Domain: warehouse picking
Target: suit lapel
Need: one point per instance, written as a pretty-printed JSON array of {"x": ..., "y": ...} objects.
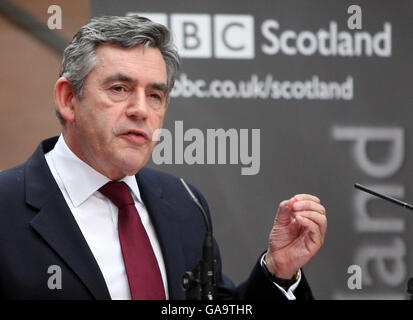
[
  {"x": 168, "y": 232},
  {"x": 56, "y": 225}
]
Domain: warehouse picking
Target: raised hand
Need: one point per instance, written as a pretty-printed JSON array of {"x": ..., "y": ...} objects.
[{"x": 297, "y": 234}]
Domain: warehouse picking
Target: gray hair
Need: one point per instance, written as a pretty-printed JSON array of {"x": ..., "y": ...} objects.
[{"x": 79, "y": 57}]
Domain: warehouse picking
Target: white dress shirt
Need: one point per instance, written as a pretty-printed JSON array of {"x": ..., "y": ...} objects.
[
  {"x": 97, "y": 216},
  {"x": 289, "y": 294}
]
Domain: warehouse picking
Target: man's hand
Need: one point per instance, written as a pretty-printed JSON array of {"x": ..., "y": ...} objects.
[{"x": 297, "y": 234}]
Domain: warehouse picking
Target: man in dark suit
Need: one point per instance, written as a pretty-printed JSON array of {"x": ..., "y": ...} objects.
[{"x": 83, "y": 218}]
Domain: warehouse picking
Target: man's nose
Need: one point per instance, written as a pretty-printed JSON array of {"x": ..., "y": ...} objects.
[{"x": 138, "y": 106}]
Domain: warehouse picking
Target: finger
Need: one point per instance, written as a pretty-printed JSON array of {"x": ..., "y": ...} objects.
[
  {"x": 316, "y": 234},
  {"x": 284, "y": 211},
  {"x": 309, "y": 205},
  {"x": 318, "y": 219},
  {"x": 304, "y": 196}
]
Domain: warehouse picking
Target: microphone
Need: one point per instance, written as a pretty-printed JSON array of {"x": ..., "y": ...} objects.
[
  {"x": 380, "y": 195},
  {"x": 199, "y": 284},
  {"x": 194, "y": 199}
]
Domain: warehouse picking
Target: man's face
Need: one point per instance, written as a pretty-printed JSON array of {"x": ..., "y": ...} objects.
[{"x": 124, "y": 101}]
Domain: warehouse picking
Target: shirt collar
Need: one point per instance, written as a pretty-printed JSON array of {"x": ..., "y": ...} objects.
[{"x": 80, "y": 179}]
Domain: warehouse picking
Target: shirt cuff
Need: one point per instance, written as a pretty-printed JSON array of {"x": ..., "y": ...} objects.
[{"x": 289, "y": 293}]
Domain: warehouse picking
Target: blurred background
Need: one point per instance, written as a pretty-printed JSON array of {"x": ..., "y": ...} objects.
[{"x": 327, "y": 86}]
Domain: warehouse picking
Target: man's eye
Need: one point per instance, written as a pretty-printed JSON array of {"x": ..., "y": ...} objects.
[
  {"x": 118, "y": 89},
  {"x": 157, "y": 96}
]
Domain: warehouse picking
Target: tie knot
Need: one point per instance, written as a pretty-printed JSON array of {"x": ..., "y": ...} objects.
[{"x": 118, "y": 193}]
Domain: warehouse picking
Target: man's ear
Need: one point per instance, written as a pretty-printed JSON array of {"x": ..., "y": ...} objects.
[{"x": 64, "y": 97}]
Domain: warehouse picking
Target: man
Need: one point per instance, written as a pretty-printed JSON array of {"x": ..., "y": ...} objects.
[{"x": 83, "y": 218}]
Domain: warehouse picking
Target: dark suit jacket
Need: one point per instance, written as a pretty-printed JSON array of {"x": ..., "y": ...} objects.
[{"x": 37, "y": 230}]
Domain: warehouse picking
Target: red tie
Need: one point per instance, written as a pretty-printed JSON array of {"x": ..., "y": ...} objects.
[{"x": 145, "y": 281}]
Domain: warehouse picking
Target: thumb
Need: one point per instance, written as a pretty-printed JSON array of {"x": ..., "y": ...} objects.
[{"x": 284, "y": 212}]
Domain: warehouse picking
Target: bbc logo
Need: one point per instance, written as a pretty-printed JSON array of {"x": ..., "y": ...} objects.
[{"x": 223, "y": 36}]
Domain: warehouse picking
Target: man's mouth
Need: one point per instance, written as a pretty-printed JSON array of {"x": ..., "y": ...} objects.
[{"x": 136, "y": 136}]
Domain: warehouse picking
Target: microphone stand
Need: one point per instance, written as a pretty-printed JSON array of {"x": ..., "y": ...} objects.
[
  {"x": 398, "y": 202},
  {"x": 410, "y": 288},
  {"x": 200, "y": 282}
]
